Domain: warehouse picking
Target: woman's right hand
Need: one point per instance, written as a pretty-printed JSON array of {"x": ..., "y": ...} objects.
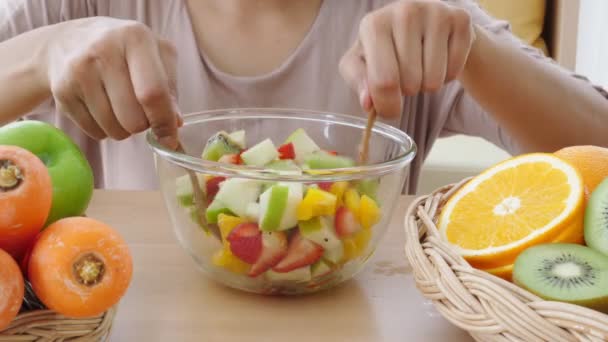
[{"x": 114, "y": 78}]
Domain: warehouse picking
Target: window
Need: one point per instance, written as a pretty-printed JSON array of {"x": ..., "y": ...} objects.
[{"x": 592, "y": 51}]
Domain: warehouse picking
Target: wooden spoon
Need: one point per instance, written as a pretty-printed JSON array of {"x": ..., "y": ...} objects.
[
  {"x": 200, "y": 199},
  {"x": 364, "y": 147}
]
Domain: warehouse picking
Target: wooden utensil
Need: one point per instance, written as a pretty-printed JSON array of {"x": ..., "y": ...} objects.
[
  {"x": 200, "y": 199},
  {"x": 364, "y": 147}
]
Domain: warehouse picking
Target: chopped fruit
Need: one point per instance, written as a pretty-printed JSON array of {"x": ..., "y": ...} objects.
[
  {"x": 226, "y": 223},
  {"x": 283, "y": 165},
  {"x": 356, "y": 245},
  {"x": 287, "y": 151},
  {"x": 224, "y": 258},
  {"x": 350, "y": 250},
  {"x": 323, "y": 160},
  {"x": 253, "y": 212},
  {"x": 301, "y": 274},
  {"x": 283, "y": 229},
  {"x": 272, "y": 206},
  {"x": 369, "y": 213},
  {"x": 302, "y": 144},
  {"x": 214, "y": 210},
  {"x": 320, "y": 269},
  {"x": 325, "y": 186},
  {"x": 316, "y": 203},
  {"x": 301, "y": 252},
  {"x": 346, "y": 223},
  {"x": 230, "y": 159},
  {"x": 219, "y": 145},
  {"x": 213, "y": 186},
  {"x": 246, "y": 242},
  {"x": 368, "y": 187},
  {"x": 278, "y": 206},
  {"x": 237, "y": 193},
  {"x": 260, "y": 154},
  {"x": 320, "y": 230},
  {"x": 274, "y": 249},
  {"x": 183, "y": 191},
  {"x": 238, "y": 138},
  {"x": 352, "y": 201},
  {"x": 338, "y": 189},
  {"x": 518, "y": 203}
]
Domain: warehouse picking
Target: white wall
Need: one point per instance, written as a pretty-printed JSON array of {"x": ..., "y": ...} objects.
[{"x": 592, "y": 54}]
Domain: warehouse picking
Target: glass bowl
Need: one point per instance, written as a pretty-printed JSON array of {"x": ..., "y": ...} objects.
[{"x": 282, "y": 230}]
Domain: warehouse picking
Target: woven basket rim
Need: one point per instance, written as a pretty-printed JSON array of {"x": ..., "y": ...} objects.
[
  {"x": 47, "y": 325},
  {"x": 489, "y": 308}
]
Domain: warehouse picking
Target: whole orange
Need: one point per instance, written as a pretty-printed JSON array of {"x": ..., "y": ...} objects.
[{"x": 591, "y": 161}]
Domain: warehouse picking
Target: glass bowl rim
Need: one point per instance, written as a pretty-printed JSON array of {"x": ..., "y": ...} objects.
[{"x": 259, "y": 173}]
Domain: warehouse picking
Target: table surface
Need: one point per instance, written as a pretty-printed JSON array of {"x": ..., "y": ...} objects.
[{"x": 169, "y": 300}]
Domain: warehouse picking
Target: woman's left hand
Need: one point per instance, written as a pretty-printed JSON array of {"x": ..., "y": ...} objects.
[{"x": 407, "y": 47}]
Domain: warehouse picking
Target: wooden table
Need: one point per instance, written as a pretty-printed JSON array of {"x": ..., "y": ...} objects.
[{"x": 169, "y": 300}]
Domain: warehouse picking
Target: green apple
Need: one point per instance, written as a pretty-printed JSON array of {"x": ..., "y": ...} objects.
[
  {"x": 278, "y": 206},
  {"x": 320, "y": 230},
  {"x": 70, "y": 171}
]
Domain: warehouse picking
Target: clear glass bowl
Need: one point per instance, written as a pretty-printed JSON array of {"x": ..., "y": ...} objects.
[{"x": 370, "y": 192}]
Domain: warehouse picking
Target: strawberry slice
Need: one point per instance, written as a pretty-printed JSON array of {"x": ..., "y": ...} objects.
[
  {"x": 230, "y": 159},
  {"x": 213, "y": 186},
  {"x": 302, "y": 252},
  {"x": 346, "y": 223},
  {"x": 326, "y": 186},
  {"x": 287, "y": 151},
  {"x": 246, "y": 242},
  {"x": 274, "y": 249}
]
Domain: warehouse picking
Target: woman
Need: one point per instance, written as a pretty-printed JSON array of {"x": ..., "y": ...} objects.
[{"x": 112, "y": 68}]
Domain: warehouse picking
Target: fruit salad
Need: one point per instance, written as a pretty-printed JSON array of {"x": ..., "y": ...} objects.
[{"x": 283, "y": 231}]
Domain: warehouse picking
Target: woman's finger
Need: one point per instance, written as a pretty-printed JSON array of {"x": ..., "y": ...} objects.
[{"x": 381, "y": 62}]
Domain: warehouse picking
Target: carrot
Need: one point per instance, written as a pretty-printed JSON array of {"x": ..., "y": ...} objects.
[
  {"x": 11, "y": 289},
  {"x": 80, "y": 267},
  {"x": 26, "y": 194}
]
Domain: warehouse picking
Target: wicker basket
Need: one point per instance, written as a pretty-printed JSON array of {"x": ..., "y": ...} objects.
[
  {"x": 487, "y": 307},
  {"x": 35, "y": 323}
]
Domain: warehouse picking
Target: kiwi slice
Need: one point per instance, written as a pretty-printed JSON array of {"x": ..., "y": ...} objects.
[
  {"x": 218, "y": 145},
  {"x": 596, "y": 219},
  {"x": 564, "y": 272}
]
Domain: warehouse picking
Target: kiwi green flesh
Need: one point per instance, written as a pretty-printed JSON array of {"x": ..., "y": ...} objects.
[
  {"x": 564, "y": 272},
  {"x": 219, "y": 145},
  {"x": 596, "y": 219}
]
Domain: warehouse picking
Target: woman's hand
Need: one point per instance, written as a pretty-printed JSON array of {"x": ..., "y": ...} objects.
[
  {"x": 114, "y": 78},
  {"x": 407, "y": 47}
]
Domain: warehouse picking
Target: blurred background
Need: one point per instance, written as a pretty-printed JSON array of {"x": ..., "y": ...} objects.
[{"x": 573, "y": 32}]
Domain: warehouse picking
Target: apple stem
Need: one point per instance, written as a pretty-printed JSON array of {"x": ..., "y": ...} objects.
[
  {"x": 89, "y": 269},
  {"x": 10, "y": 175}
]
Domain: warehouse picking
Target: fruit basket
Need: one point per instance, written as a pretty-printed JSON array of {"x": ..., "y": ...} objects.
[
  {"x": 37, "y": 323},
  {"x": 489, "y": 308}
]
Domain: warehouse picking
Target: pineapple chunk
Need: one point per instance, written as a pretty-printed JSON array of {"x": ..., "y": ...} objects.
[
  {"x": 316, "y": 203},
  {"x": 224, "y": 258},
  {"x": 338, "y": 189},
  {"x": 369, "y": 213},
  {"x": 227, "y": 223}
]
